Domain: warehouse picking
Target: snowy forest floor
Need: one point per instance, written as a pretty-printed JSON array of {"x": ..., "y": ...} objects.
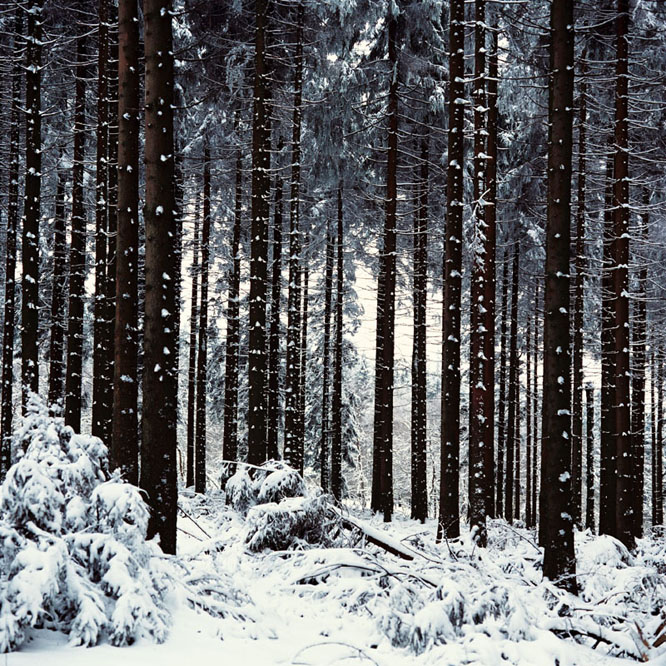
[{"x": 356, "y": 603}]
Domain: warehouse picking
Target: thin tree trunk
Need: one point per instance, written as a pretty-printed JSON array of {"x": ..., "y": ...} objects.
[
  {"x": 502, "y": 430},
  {"x": 202, "y": 347},
  {"x": 32, "y": 203},
  {"x": 384, "y": 358},
  {"x": 324, "y": 453},
  {"x": 620, "y": 252},
  {"x": 160, "y": 383},
  {"x": 58, "y": 297},
  {"x": 449, "y": 512},
  {"x": 125, "y": 446},
  {"x": 230, "y": 439},
  {"x": 589, "y": 506},
  {"x": 511, "y": 498},
  {"x": 303, "y": 360},
  {"x": 274, "y": 336},
  {"x": 659, "y": 448},
  {"x": 192, "y": 360},
  {"x": 77, "y": 253},
  {"x": 261, "y": 187},
  {"x": 559, "y": 560},
  {"x": 419, "y": 428},
  {"x": 478, "y": 390},
  {"x": 536, "y": 463},
  {"x": 336, "y": 406},
  {"x": 529, "y": 518},
  {"x": 653, "y": 423},
  {"x": 8, "y": 331}
]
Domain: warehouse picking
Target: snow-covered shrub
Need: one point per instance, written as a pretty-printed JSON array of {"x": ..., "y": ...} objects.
[
  {"x": 240, "y": 491},
  {"x": 281, "y": 484},
  {"x": 290, "y": 523},
  {"x": 73, "y": 554}
]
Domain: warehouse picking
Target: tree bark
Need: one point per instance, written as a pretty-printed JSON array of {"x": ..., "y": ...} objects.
[
  {"x": 589, "y": 505},
  {"x": 160, "y": 383},
  {"x": 449, "y": 513},
  {"x": 303, "y": 361},
  {"x": 502, "y": 430},
  {"x": 125, "y": 446},
  {"x": 324, "y": 452},
  {"x": 559, "y": 560},
  {"x": 192, "y": 359}
]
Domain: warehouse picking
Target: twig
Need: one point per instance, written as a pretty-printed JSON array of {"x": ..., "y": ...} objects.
[
  {"x": 187, "y": 515},
  {"x": 361, "y": 653}
]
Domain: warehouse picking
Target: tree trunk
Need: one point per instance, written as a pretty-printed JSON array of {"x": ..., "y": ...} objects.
[
  {"x": 449, "y": 511},
  {"x": 77, "y": 253},
  {"x": 559, "y": 560},
  {"x": 336, "y": 407},
  {"x": 419, "y": 430},
  {"x": 230, "y": 439},
  {"x": 620, "y": 252},
  {"x": 303, "y": 361},
  {"x": 384, "y": 359},
  {"x": 7, "y": 407},
  {"x": 202, "y": 346},
  {"x": 261, "y": 187},
  {"x": 58, "y": 297},
  {"x": 536, "y": 463},
  {"x": 192, "y": 359},
  {"x": 589, "y": 506},
  {"x": 324, "y": 453},
  {"x": 478, "y": 390},
  {"x": 659, "y": 448},
  {"x": 32, "y": 203},
  {"x": 160, "y": 383},
  {"x": 529, "y": 517},
  {"x": 502, "y": 430},
  {"x": 125, "y": 447}
]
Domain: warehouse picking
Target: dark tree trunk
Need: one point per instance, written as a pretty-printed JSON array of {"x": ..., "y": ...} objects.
[
  {"x": 230, "y": 439},
  {"x": 653, "y": 430},
  {"x": 202, "y": 346},
  {"x": 274, "y": 336},
  {"x": 160, "y": 383},
  {"x": 419, "y": 430},
  {"x": 77, "y": 253},
  {"x": 659, "y": 445},
  {"x": 589, "y": 505},
  {"x": 502, "y": 430},
  {"x": 261, "y": 187},
  {"x": 102, "y": 390},
  {"x": 578, "y": 311},
  {"x": 303, "y": 361},
  {"x": 324, "y": 453},
  {"x": 125, "y": 447},
  {"x": 511, "y": 495},
  {"x": 449, "y": 511},
  {"x": 58, "y": 297},
  {"x": 294, "y": 330},
  {"x": 384, "y": 358},
  {"x": 192, "y": 359},
  {"x": 8, "y": 331},
  {"x": 32, "y": 203},
  {"x": 336, "y": 407},
  {"x": 478, "y": 390},
  {"x": 529, "y": 446},
  {"x": 559, "y": 560},
  {"x": 620, "y": 253},
  {"x": 536, "y": 463}
]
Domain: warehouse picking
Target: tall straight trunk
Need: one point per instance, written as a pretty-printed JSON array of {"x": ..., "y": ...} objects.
[
  {"x": 303, "y": 361},
  {"x": 77, "y": 253},
  {"x": 324, "y": 452},
  {"x": 261, "y": 187},
  {"x": 125, "y": 446},
  {"x": 653, "y": 432},
  {"x": 502, "y": 430},
  {"x": 192, "y": 350},
  {"x": 449, "y": 512},
  {"x": 536, "y": 463},
  {"x": 625, "y": 517},
  {"x": 58, "y": 296},
  {"x": 559, "y": 563},
  {"x": 336, "y": 403},
  {"x": 511, "y": 499},
  {"x": 7, "y": 406},
  {"x": 102, "y": 389},
  {"x": 490, "y": 254},
  {"x": 230, "y": 437},
  {"x": 384, "y": 358},
  {"x": 32, "y": 202},
  {"x": 529, "y": 518},
  {"x": 202, "y": 345},
  {"x": 294, "y": 326},
  {"x": 160, "y": 342},
  {"x": 607, "y": 472},
  {"x": 589, "y": 504},
  {"x": 419, "y": 430},
  {"x": 659, "y": 446},
  {"x": 274, "y": 335},
  {"x": 638, "y": 386},
  {"x": 578, "y": 310},
  {"x": 478, "y": 390}
]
